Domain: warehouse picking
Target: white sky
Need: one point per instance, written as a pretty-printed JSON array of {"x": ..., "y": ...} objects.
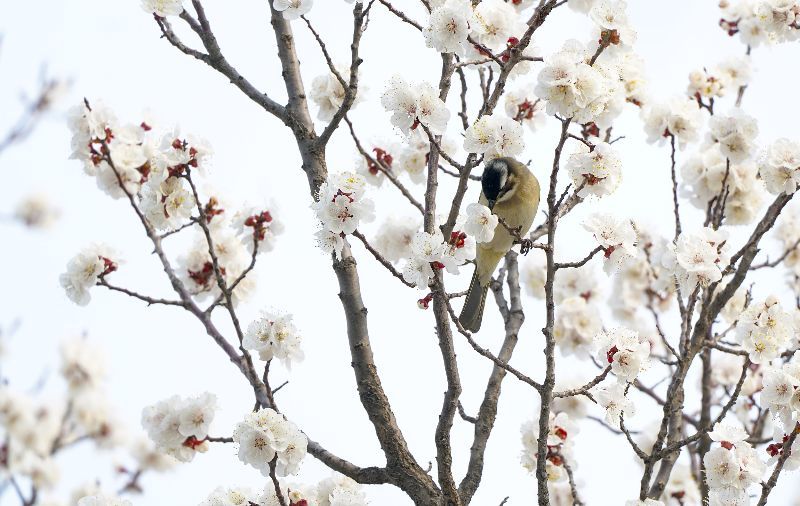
[{"x": 112, "y": 51}]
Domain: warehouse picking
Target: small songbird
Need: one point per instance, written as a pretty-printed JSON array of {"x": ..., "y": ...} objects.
[{"x": 511, "y": 191}]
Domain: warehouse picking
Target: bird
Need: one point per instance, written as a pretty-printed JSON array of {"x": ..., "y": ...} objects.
[{"x": 511, "y": 192}]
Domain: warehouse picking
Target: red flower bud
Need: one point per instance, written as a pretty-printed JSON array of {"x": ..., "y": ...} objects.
[{"x": 610, "y": 354}]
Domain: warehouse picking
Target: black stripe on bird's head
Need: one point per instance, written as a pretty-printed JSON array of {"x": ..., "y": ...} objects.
[{"x": 494, "y": 179}]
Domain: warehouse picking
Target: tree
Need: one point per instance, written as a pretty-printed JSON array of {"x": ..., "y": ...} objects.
[{"x": 684, "y": 307}]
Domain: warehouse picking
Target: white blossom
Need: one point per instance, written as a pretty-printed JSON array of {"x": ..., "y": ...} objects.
[
  {"x": 720, "y": 80},
  {"x": 533, "y": 274},
  {"x": 258, "y": 224},
  {"x": 679, "y": 117},
  {"x": 616, "y": 236},
  {"x": 274, "y": 335},
  {"x": 703, "y": 176},
  {"x": 341, "y": 207},
  {"x": 480, "y": 223},
  {"x": 411, "y": 107},
  {"x": 728, "y": 496},
  {"x": 293, "y": 9},
  {"x": 179, "y": 426},
  {"x": 167, "y": 204},
  {"x": 721, "y": 467},
  {"x": 681, "y": 487},
  {"x": 624, "y": 351},
  {"x": 733, "y": 434},
  {"x": 103, "y": 500},
  {"x": 576, "y": 324},
  {"x": 82, "y": 364},
  {"x": 612, "y": 399},
  {"x": 339, "y": 490},
  {"x": 779, "y": 166},
  {"x": 761, "y": 22},
  {"x": 610, "y": 15},
  {"x": 329, "y": 242},
  {"x": 84, "y": 270},
  {"x": 163, "y": 8},
  {"x": 495, "y": 136},
  {"x": 36, "y": 211},
  {"x": 264, "y": 434},
  {"x": 598, "y": 172},
  {"x": 765, "y": 330},
  {"x": 196, "y": 267},
  {"x": 328, "y": 94},
  {"x": 394, "y": 237},
  {"x": 449, "y": 26},
  {"x": 523, "y": 106},
  {"x": 418, "y": 272},
  {"x": 222, "y": 496},
  {"x": 571, "y": 87},
  {"x": 735, "y": 133},
  {"x": 495, "y": 22},
  {"x": 560, "y": 438},
  {"x": 699, "y": 257}
]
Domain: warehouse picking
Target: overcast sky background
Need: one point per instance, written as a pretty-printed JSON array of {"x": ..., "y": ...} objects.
[{"x": 112, "y": 51}]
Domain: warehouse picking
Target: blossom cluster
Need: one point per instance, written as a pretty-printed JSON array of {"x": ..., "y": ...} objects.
[
  {"x": 37, "y": 431},
  {"x": 732, "y": 467},
  {"x": 103, "y": 500},
  {"x": 627, "y": 355},
  {"x": 154, "y": 172},
  {"x": 720, "y": 80},
  {"x": 236, "y": 238},
  {"x": 36, "y": 211},
  {"x": 788, "y": 234},
  {"x": 779, "y": 167},
  {"x": 734, "y": 133},
  {"x": 615, "y": 235},
  {"x": 328, "y": 93},
  {"x": 85, "y": 269},
  {"x": 341, "y": 206},
  {"x": 624, "y": 351},
  {"x": 179, "y": 426},
  {"x": 495, "y": 136},
  {"x": 780, "y": 392},
  {"x": 387, "y": 158},
  {"x": 415, "y": 106},
  {"x": 760, "y": 22},
  {"x": 765, "y": 330},
  {"x": 679, "y": 118},
  {"x": 596, "y": 171},
  {"x": 560, "y": 442},
  {"x": 575, "y": 88},
  {"x": 705, "y": 172},
  {"x": 274, "y": 335},
  {"x": 578, "y": 296},
  {"x": 642, "y": 281},
  {"x": 698, "y": 258},
  {"x": 490, "y": 25},
  {"x": 429, "y": 252},
  {"x": 523, "y": 106},
  {"x": 337, "y": 490},
  {"x": 265, "y": 435},
  {"x": 394, "y": 237},
  {"x": 163, "y": 8},
  {"x": 124, "y": 157}
]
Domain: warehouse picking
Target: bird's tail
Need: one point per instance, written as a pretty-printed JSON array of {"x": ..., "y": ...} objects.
[{"x": 472, "y": 312}]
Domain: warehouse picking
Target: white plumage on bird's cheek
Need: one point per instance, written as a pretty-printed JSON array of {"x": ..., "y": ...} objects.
[{"x": 511, "y": 184}]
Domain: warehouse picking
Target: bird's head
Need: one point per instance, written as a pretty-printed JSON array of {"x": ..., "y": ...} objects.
[{"x": 499, "y": 179}]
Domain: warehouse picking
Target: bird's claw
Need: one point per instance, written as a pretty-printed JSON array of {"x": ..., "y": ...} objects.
[{"x": 526, "y": 245}]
